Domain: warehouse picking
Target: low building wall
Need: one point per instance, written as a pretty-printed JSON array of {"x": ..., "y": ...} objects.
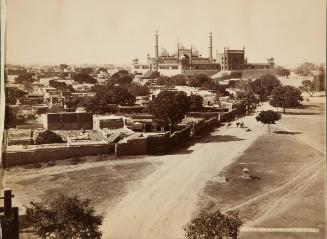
[
  {"x": 134, "y": 146},
  {"x": 39, "y": 155},
  {"x": 158, "y": 144},
  {"x": 206, "y": 115},
  {"x": 180, "y": 136}
]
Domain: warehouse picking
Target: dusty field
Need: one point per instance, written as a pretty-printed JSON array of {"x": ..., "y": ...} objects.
[
  {"x": 104, "y": 182},
  {"x": 290, "y": 165}
]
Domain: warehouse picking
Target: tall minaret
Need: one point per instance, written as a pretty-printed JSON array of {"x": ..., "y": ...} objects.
[
  {"x": 210, "y": 47},
  {"x": 156, "y": 45}
]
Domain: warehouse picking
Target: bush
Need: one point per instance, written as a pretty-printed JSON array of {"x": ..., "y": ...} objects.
[
  {"x": 213, "y": 225},
  {"x": 48, "y": 137},
  {"x": 64, "y": 217}
]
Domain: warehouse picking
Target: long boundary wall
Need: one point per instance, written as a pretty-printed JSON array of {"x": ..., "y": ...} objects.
[{"x": 15, "y": 158}]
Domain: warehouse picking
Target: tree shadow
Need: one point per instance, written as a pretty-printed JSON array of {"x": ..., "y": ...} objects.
[
  {"x": 305, "y": 106},
  {"x": 286, "y": 132},
  {"x": 302, "y": 113},
  {"x": 183, "y": 148}
]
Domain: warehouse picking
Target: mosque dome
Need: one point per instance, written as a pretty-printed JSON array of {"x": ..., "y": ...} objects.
[
  {"x": 195, "y": 52},
  {"x": 164, "y": 52}
]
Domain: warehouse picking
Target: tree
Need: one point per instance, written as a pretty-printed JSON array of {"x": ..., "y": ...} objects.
[
  {"x": 264, "y": 85},
  {"x": 84, "y": 78},
  {"x": 165, "y": 80},
  {"x": 214, "y": 225},
  {"x": 198, "y": 80},
  {"x": 48, "y": 137},
  {"x": 169, "y": 107},
  {"x": 196, "y": 102},
  {"x": 268, "y": 117},
  {"x": 64, "y": 217},
  {"x": 14, "y": 118},
  {"x": 106, "y": 95},
  {"x": 248, "y": 97},
  {"x": 285, "y": 97},
  {"x": 319, "y": 81},
  {"x": 121, "y": 77},
  {"x": 25, "y": 79},
  {"x": 13, "y": 94},
  {"x": 63, "y": 66},
  {"x": 308, "y": 86},
  {"x": 280, "y": 71},
  {"x": 136, "y": 89},
  {"x": 179, "y": 79},
  {"x": 305, "y": 69}
]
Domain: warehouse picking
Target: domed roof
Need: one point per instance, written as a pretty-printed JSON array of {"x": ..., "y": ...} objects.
[
  {"x": 195, "y": 52},
  {"x": 164, "y": 52}
]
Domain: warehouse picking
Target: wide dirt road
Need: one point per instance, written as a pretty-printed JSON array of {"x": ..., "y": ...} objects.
[{"x": 163, "y": 201}]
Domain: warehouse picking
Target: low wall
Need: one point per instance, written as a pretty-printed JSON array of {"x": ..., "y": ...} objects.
[
  {"x": 52, "y": 154},
  {"x": 180, "y": 136},
  {"x": 158, "y": 144},
  {"x": 198, "y": 72},
  {"x": 132, "y": 147},
  {"x": 206, "y": 115}
]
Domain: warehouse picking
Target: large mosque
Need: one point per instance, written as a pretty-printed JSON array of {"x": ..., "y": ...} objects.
[{"x": 189, "y": 61}]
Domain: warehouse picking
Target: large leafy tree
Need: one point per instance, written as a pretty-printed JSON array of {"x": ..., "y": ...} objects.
[
  {"x": 13, "y": 94},
  {"x": 285, "y": 97},
  {"x": 264, "y": 85},
  {"x": 196, "y": 102},
  {"x": 14, "y": 118},
  {"x": 121, "y": 77},
  {"x": 280, "y": 71},
  {"x": 48, "y": 137},
  {"x": 64, "y": 217},
  {"x": 25, "y": 79},
  {"x": 197, "y": 80},
  {"x": 84, "y": 78},
  {"x": 166, "y": 80},
  {"x": 308, "y": 86},
  {"x": 217, "y": 225},
  {"x": 268, "y": 117},
  {"x": 179, "y": 79},
  {"x": 136, "y": 89},
  {"x": 170, "y": 107},
  {"x": 105, "y": 96},
  {"x": 305, "y": 69}
]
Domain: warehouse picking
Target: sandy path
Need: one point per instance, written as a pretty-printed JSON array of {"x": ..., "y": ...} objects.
[{"x": 163, "y": 202}]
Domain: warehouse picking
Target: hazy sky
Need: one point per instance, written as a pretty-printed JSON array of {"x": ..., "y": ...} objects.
[{"x": 107, "y": 31}]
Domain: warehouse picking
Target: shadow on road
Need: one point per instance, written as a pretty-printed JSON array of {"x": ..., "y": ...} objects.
[
  {"x": 286, "y": 132},
  {"x": 302, "y": 113},
  {"x": 184, "y": 147}
]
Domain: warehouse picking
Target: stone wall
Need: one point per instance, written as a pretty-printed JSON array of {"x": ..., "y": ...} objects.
[
  {"x": 52, "y": 154},
  {"x": 135, "y": 146}
]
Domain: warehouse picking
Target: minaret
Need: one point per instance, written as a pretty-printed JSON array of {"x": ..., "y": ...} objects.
[
  {"x": 210, "y": 47},
  {"x": 156, "y": 50},
  {"x": 156, "y": 45}
]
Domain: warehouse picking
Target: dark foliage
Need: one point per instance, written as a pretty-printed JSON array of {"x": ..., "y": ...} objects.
[
  {"x": 48, "y": 137},
  {"x": 170, "y": 107},
  {"x": 285, "y": 97},
  {"x": 13, "y": 94},
  {"x": 84, "y": 78},
  {"x": 209, "y": 225},
  {"x": 264, "y": 85},
  {"x": 64, "y": 217}
]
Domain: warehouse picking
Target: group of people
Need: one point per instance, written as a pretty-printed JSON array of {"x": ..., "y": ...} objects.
[{"x": 241, "y": 124}]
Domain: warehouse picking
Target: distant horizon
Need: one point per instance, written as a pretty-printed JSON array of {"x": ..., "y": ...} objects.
[{"x": 55, "y": 32}]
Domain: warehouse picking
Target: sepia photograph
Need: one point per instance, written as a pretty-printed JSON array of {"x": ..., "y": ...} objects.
[{"x": 166, "y": 119}]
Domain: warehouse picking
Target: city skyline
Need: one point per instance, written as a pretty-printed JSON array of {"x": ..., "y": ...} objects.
[{"x": 76, "y": 32}]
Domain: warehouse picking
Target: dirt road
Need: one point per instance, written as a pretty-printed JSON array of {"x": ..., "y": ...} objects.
[{"x": 163, "y": 202}]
